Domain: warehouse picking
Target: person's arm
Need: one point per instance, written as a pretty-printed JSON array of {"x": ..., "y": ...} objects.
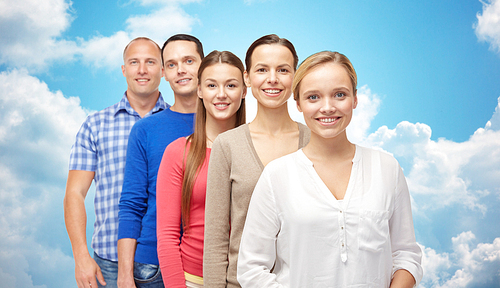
[
  {"x": 407, "y": 255},
  {"x": 75, "y": 217},
  {"x": 402, "y": 279},
  {"x": 133, "y": 204},
  {"x": 168, "y": 210},
  {"x": 257, "y": 255},
  {"x": 217, "y": 218},
  {"x": 126, "y": 254}
]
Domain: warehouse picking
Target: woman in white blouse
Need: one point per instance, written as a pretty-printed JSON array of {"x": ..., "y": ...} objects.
[{"x": 333, "y": 214}]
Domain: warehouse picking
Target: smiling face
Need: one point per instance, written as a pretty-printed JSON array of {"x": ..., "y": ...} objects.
[
  {"x": 181, "y": 63},
  {"x": 221, "y": 89},
  {"x": 142, "y": 68},
  {"x": 327, "y": 99},
  {"x": 271, "y": 74}
]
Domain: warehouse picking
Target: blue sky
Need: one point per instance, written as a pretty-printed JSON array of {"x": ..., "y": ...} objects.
[{"x": 428, "y": 87}]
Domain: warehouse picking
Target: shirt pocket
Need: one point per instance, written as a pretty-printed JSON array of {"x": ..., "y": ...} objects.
[{"x": 373, "y": 231}]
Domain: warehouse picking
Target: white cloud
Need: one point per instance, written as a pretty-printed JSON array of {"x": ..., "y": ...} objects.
[
  {"x": 443, "y": 171},
  {"x": 32, "y": 33},
  {"x": 464, "y": 266},
  {"x": 160, "y": 24},
  {"x": 487, "y": 27},
  {"x": 37, "y": 128}
]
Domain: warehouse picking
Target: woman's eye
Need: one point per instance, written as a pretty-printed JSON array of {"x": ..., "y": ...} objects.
[
  {"x": 211, "y": 85},
  {"x": 313, "y": 97},
  {"x": 261, "y": 70}
]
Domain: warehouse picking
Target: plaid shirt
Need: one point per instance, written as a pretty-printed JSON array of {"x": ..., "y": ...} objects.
[{"x": 101, "y": 146}]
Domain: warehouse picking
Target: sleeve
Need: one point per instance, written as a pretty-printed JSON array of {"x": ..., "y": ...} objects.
[
  {"x": 83, "y": 154},
  {"x": 257, "y": 255},
  {"x": 168, "y": 203},
  {"x": 406, "y": 253},
  {"x": 217, "y": 217},
  {"x": 134, "y": 195}
]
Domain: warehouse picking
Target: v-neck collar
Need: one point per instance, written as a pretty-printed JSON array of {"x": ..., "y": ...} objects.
[
  {"x": 322, "y": 186},
  {"x": 248, "y": 135}
]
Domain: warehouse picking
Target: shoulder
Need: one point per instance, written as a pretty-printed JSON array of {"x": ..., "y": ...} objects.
[
  {"x": 384, "y": 158},
  {"x": 234, "y": 136},
  {"x": 284, "y": 163},
  {"x": 177, "y": 146}
]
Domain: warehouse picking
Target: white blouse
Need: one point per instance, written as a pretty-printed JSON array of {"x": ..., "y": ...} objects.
[{"x": 297, "y": 234}]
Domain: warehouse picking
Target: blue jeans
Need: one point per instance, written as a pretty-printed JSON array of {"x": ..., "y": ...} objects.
[
  {"x": 147, "y": 276},
  {"x": 109, "y": 270}
]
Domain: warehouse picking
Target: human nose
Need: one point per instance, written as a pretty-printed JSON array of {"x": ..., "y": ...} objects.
[
  {"x": 273, "y": 78},
  {"x": 222, "y": 92},
  {"x": 327, "y": 106},
  {"x": 142, "y": 68},
  {"x": 181, "y": 69}
]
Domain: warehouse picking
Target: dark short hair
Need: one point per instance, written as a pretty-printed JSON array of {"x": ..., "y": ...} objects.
[
  {"x": 270, "y": 39},
  {"x": 183, "y": 37}
]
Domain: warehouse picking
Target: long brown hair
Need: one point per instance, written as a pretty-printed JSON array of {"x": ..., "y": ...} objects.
[{"x": 197, "y": 152}]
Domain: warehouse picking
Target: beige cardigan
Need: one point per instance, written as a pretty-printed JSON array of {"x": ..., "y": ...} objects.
[{"x": 233, "y": 172}]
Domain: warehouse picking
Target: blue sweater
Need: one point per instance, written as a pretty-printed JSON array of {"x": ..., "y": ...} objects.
[{"x": 147, "y": 141}]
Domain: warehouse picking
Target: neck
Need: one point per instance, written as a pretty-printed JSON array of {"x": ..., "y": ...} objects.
[
  {"x": 273, "y": 120},
  {"x": 141, "y": 104},
  {"x": 338, "y": 147},
  {"x": 185, "y": 104},
  {"x": 214, "y": 127}
]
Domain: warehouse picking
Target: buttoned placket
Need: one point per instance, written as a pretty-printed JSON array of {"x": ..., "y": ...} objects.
[{"x": 342, "y": 242}]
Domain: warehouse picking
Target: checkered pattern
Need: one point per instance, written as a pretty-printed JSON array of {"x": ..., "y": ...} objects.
[{"x": 101, "y": 146}]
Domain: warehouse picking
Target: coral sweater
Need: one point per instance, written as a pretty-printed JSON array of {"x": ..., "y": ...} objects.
[{"x": 187, "y": 256}]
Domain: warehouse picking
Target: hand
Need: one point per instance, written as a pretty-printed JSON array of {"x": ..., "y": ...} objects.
[
  {"x": 125, "y": 281},
  {"x": 86, "y": 271}
]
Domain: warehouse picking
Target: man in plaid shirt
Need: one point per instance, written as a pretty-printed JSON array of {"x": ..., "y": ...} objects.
[{"x": 99, "y": 154}]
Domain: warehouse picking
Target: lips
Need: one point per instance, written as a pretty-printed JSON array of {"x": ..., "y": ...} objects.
[
  {"x": 273, "y": 92},
  {"x": 142, "y": 80},
  {"x": 221, "y": 106},
  {"x": 183, "y": 81},
  {"x": 328, "y": 120}
]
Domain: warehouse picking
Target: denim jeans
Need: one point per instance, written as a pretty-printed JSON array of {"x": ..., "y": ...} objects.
[
  {"x": 147, "y": 276},
  {"x": 109, "y": 270}
]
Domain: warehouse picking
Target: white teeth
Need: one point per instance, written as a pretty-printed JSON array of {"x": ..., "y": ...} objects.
[
  {"x": 221, "y": 105},
  {"x": 327, "y": 120},
  {"x": 142, "y": 80},
  {"x": 183, "y": 80},
  {"x": 272, "y": 91}
]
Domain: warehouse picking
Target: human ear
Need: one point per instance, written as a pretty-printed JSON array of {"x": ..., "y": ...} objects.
[
  {"x": 298, "y": 105},
  {"x": 200, "y": 95},
  {"x": 247, "y": 79}
]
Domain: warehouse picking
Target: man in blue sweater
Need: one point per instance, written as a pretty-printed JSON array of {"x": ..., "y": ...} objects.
[{"x": 137, "y": 253}]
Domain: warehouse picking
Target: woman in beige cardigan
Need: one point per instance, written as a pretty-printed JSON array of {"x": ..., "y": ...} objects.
[{"x": 239, "y": 155}]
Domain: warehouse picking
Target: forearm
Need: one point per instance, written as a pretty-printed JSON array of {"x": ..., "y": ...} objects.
[
  {"x": 402, "y": 279},
  {"x": 75, "y": 218},
  {"x": 126, "y": 254}
]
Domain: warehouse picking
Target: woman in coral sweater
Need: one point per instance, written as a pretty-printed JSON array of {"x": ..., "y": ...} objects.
[{"x": 182, "y": 175}]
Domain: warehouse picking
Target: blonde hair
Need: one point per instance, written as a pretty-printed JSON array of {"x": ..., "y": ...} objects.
[{"x": 322, "y": 58}]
